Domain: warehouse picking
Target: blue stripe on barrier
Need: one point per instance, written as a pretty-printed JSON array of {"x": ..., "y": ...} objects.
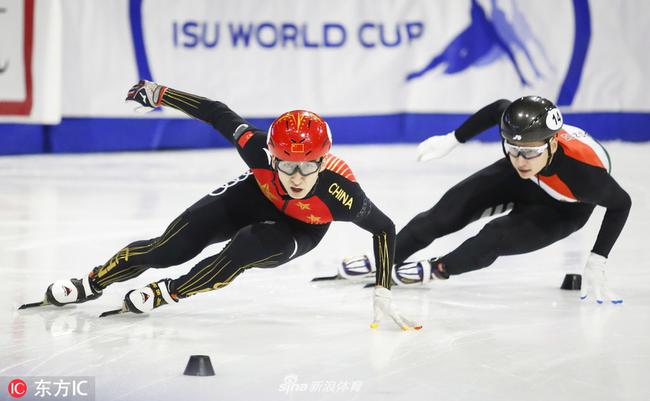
[
  {"x": 18, "y": 139},
  {"x": 92, "y": 135},
  {"x": 135, "y": 19},
  {"x": 581, "y": 40},
  {"x": 121, "y": 134}
]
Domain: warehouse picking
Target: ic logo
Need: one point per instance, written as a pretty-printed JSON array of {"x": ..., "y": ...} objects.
[{"x": 17, "y": 388}]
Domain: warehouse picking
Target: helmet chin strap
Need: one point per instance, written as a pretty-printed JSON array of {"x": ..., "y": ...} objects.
[
  {"x": 548, "y": 150},
  {"x": 503, "y": 148}
]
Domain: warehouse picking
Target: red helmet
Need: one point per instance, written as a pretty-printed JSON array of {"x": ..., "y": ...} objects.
[{"x": 299, "y": 135}]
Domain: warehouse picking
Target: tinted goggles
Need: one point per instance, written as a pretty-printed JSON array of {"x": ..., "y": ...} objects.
[
  {"x": 527, "y": 152},
  {"x": 304, "y": 168}
]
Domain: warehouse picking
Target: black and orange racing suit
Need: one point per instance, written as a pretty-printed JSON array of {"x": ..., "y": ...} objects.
[
  {"x": 265, "y": 226},
  {"x": 546, "y": 208}
]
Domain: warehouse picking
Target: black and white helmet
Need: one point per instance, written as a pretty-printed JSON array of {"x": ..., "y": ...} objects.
[{"x": 530, "y": 119}]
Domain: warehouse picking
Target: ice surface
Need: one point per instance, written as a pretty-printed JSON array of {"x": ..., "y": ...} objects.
[{"x": 503, "y": 333}]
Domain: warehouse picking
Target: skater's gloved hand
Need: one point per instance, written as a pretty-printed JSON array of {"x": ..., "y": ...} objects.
[
  {"x": 383, "y": 305},
  {"x": 148, "y": 95},
  {"x": 436, "y": 146},
  {"x": 594, "y": 282}
]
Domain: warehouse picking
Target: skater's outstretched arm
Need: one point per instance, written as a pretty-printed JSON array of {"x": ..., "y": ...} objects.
[
  {"x": 348, "y": 202},
  {"x": 150, "y": 95},
  {"x": 598, "y": 187},
  {"x": 381, "y": 226},
  {"x": 483, "y": 119},
  {"x": 438, "y": 146},
  {"x": 590, "y": 182},
  {"x": 618, "y": 203},
  {"x": 372, "y": 219}
]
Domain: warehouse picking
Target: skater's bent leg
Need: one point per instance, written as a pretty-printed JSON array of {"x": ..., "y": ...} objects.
[
  {"x": 423, "y": 229},
  {"x": 267, "y": 244},
  {"x": 212, "y": 219},
  {"x": 487, "y": 192},
  {"x": 180, "y": 242},
  {"x": 528, "y": 230},
  {"x": 176, "y": 245}
]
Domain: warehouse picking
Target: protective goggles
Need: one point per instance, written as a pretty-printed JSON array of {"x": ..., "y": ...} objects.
[
  {"x": 304, "y": 168},
  {"x": 527, "y": 152}
]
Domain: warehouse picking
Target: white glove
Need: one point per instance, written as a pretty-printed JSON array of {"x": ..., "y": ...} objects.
[
  {"x": 383, "y": 305},
  {"x": 436, "y": 146},
  {"x": 594, "y": 280},
  {"x": 147, "y": 95}
]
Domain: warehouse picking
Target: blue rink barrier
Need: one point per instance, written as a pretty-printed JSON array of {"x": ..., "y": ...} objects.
[
  {"x": 79, "y": 135},
  {"x": 22, "y": 139}
]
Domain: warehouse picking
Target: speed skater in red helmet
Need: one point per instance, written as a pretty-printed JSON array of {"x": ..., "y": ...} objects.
[
  {"x": 299, "y": 135},
  {"x": 276, "y": 211},
  {"x": 298, "y": 142}
]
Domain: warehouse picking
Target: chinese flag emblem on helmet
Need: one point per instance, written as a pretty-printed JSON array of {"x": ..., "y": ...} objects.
[{"x": 299, "y": 135}]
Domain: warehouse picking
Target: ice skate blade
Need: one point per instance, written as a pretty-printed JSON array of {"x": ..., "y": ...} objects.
[
  {"x": 113, "y": 312},
  {"x": 328, "y": 278},
  {"x": 33, "y": 305}
]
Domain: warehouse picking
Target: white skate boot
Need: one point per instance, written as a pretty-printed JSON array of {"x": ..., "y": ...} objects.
[{"x": 71, "y": 291}]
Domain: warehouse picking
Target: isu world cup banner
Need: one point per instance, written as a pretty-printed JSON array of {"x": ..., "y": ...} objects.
[
  {"x": 377, "y": 56},
  {"x": 384, "y": 70}
]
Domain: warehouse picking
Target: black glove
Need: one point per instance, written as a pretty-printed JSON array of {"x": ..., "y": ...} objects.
[{"x": 147, "y": 94}]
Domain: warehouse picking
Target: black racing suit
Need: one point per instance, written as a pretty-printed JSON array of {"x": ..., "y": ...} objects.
[
  {"x": 549, "y": 207},
  {"x": 265, "y": 226}
]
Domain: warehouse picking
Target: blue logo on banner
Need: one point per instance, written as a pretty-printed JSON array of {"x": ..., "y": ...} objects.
[
  {"x": 488, "y": 39},
  {"x": 483, "y": 42}
]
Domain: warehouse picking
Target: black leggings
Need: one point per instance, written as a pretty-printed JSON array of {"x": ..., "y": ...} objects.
[
  {"x": 259, "y": 234},
  {"x": 536, "y": 219}
]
